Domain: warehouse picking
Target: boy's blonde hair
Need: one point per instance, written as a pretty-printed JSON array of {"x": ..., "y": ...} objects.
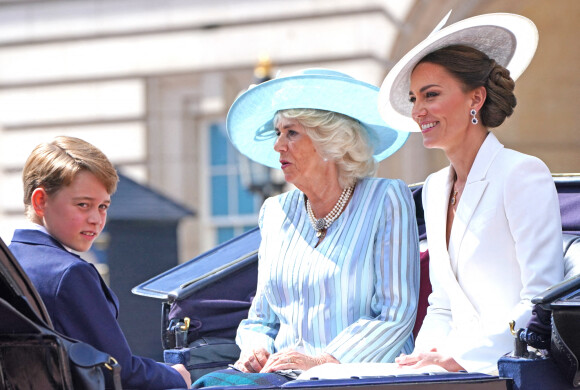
[{"x": 55, "y": 164}]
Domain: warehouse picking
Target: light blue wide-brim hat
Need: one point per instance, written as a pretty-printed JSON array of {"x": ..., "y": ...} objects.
[{"x": 250, "y": 119}]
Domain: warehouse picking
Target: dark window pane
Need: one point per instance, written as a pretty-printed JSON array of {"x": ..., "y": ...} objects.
[
  {"x": 219, "y": 191},
  {"x": 246, "y": 199},
  {"x": 219, "y": 145}
]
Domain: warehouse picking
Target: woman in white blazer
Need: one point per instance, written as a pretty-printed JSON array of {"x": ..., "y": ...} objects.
[{"x": 492, "y": 217}]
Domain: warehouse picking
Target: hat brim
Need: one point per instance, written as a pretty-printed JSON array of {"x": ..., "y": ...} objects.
[
  {"x": 510, "y": 39},
  {"x": 250, "y": 119}
]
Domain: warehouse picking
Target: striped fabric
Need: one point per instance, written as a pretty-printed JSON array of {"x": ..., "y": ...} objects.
[{"x": 355, "y": 295}]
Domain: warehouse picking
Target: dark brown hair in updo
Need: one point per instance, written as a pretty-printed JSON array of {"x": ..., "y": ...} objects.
[{"x": 475, "y": 69}]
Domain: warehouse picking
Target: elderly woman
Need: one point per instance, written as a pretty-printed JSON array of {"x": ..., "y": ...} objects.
[
  {"x": 338, "y": 273},
  {"x": 492, "y": 217}
]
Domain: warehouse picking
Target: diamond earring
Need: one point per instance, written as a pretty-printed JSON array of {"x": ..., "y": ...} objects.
[{"x": 473, "y": 118}]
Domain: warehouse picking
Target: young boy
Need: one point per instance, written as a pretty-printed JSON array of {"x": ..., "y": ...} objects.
[{"x": 67, "y": 190}]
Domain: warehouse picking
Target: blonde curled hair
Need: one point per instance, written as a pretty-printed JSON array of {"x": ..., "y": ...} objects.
[{"x": 339, "y": 138}]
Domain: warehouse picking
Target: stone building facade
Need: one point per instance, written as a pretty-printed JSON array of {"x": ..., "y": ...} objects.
[{"x": 150, "y": 83}]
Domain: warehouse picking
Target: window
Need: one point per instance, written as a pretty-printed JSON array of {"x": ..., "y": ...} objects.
[{"x": 234, "y": 209}]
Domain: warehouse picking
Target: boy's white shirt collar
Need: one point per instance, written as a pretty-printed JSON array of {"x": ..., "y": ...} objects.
[{"x": 35, "y": 226}]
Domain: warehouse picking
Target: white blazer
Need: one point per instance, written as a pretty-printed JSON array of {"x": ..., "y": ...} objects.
[{"x": 505, "y": 248}]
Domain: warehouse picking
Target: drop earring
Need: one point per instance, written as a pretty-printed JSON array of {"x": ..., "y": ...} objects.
[{"x": 473, "y": 118}]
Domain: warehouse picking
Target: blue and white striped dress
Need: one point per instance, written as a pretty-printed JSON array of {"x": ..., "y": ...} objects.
[{"x": 355, "y": 295}]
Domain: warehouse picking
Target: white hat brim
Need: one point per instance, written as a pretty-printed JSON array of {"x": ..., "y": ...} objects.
[
  {"x": 509, "y": 39},
  {"x": 249, "y": 121}
]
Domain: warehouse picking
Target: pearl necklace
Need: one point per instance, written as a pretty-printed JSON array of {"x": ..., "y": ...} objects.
[{"x": 322, "y": 224}]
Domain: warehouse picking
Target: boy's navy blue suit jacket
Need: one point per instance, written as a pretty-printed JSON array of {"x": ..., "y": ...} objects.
[{"x": 83, "y": 307}]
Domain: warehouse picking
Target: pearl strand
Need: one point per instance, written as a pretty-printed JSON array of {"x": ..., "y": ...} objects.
[{"x": 324, "y": 223}]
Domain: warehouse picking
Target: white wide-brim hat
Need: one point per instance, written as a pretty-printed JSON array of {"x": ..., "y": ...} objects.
[
  {"x": 250, "y": 124},
  {"x": 509, "y": 39}
]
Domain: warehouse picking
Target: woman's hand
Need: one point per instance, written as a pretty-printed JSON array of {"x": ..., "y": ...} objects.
[
  {"x": 252, "y": 361},
  {"x": 292, "y": 360},
  {"x": 422, "y": 359}
]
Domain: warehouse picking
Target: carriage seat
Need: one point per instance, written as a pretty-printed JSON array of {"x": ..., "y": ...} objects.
[{"x": 571, "y": 255}]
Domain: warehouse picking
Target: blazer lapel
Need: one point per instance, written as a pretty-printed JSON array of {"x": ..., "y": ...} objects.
[
  {"x": 437, "y": 210},
  {"x": 436, "y": 214},
  {"x": 37, "y": 237},
  {"x": 470, "y": 198},
  {"x": 474, "y": 190}
]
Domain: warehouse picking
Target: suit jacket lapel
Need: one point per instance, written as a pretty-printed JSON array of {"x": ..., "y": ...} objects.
[
  {"x": 437, "y": 210},
  {"x": 38, "y": 237},
  {"x": 437, "y": 213},
  {"x": 441, "y": 183},
  {"x": 470, "y": 198},
  {"x": 473, "y": 191}
]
